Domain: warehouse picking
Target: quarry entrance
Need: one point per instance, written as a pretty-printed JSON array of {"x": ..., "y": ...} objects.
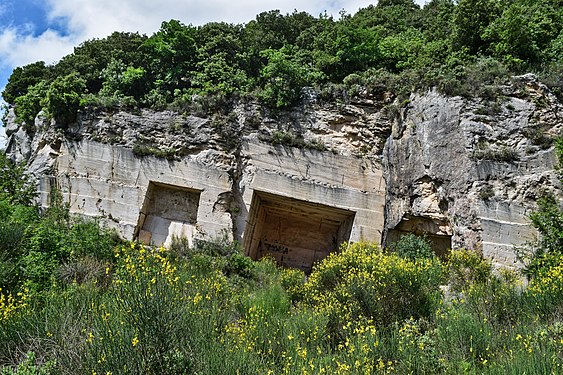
[
  {"x": 437, "y": 232},
  {"x": 168, "y": 211},
  {"x": 294, "y": 232}
]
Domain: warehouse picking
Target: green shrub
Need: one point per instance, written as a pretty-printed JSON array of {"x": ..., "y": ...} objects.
[
  {"x": 499, "y": 302},
  {"x": 487, "y": 192},
  {"x": 414, "y": 348},
  {"x": 157, "y": 318},
  {"x": 239, "y": 264},
  {"x": 503, "y": 154},
  {"x": 87, "y": 238},
  {"x": 16, "y": 185},
  {"x": 413, "y": 247},
  {"x": 293, "y": 281},
  {"x": 142, "y": 150},
  {"x": 28, "y": 366},
  {"x": 465, "y": 340},
  {"x": 85, "y": 269},
  {"x": 466, "y": 268},
  {"x": 546, "y": 284},
  {"x": 362, "y": 282}
]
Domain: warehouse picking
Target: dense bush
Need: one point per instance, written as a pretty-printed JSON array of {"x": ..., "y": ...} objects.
[
  {"x": 361, "y": 282},
  {"x": 466, "y": 268},
  {"x": 462, "y": 48},
  {"x": 360, "y": 311},
  {"x": 62, "y": 99},
  {"x": 413, "y": 247}
]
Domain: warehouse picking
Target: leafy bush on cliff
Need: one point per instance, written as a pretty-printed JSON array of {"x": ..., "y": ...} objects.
[
  {"x": 62, "y": 99},
  {"x": 540, "y": 257}
]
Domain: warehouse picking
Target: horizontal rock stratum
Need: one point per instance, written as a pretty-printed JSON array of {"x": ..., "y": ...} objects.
[{"x": 296, "y": 184}]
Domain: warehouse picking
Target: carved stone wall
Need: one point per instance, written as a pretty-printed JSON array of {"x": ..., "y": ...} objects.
[
  {"x": 168, "y": 212},
  {"x": 307, "y": 201},
  {"x": 468, "y": 170}
]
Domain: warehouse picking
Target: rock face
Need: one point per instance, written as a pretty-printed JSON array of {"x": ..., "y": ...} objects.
[
  {"x": 296, "y": 184},
  {"x": 472, "y": 169}
]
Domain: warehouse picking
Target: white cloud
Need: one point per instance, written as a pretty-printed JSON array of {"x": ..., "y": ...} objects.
[
  {"x": 20, "y": 48},
  {"x": 99, "y": 18}
]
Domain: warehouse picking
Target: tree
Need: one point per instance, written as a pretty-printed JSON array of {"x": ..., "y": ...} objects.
[
  {"x": 22, "y": 78},
  {"x": 171, "y": 54},
  {"x": 121, "y": 80},
  {"x": 471, "y": 19},
  {"x": 92, "y": 56},
  {"x": 27, "y": 106},
  {"x": 402, "y": 50},
  {"x": 16, "y": 186},
  {"x": 344, "y": 47},
  {"x": 524, "y": 31},
  {"x": 222, "y": 59},
  {"x": 437, "y": 19},
  {"x": 274, "y": 30},
  {"x": 283, "y": 77},
  {"x": 216, "y": 75},
  {"x": 389, "y": 16},
  {"x": 62, "y": 99}
]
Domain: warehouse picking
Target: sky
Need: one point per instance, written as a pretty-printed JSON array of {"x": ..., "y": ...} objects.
[{"x": 46, "y": 30}]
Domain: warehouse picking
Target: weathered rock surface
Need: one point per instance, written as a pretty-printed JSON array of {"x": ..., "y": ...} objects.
[
  {"x": 465, "y": 172},
  {"x": 475, "y": 166}
]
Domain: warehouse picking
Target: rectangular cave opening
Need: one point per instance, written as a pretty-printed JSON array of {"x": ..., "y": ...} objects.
[
  {"x": 168, "y": 211},
  {"x": 294, "y": 232},
  {"x": 436, "y": 232},
  {"x": 440, "y": 244}
]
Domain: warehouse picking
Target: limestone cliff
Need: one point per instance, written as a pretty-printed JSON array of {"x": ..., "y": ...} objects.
[
  {"x": 473, "y": 168},
  {"x": 296, "y": 183}
]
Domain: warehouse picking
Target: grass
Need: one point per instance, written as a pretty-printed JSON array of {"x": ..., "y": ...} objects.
[
  {"x": 503, "y": 154},
  {"x": 142, "y": 150}
]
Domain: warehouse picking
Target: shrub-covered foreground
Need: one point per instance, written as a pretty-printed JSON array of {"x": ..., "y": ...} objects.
[
  {"x": 213, "y": 311},
  {"x": 75, "y": 300}
]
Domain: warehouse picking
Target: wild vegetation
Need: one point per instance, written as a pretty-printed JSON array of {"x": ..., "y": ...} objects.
[
  {"x": 75, "y": 299},
  {"x": 463, "y": 47}
]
